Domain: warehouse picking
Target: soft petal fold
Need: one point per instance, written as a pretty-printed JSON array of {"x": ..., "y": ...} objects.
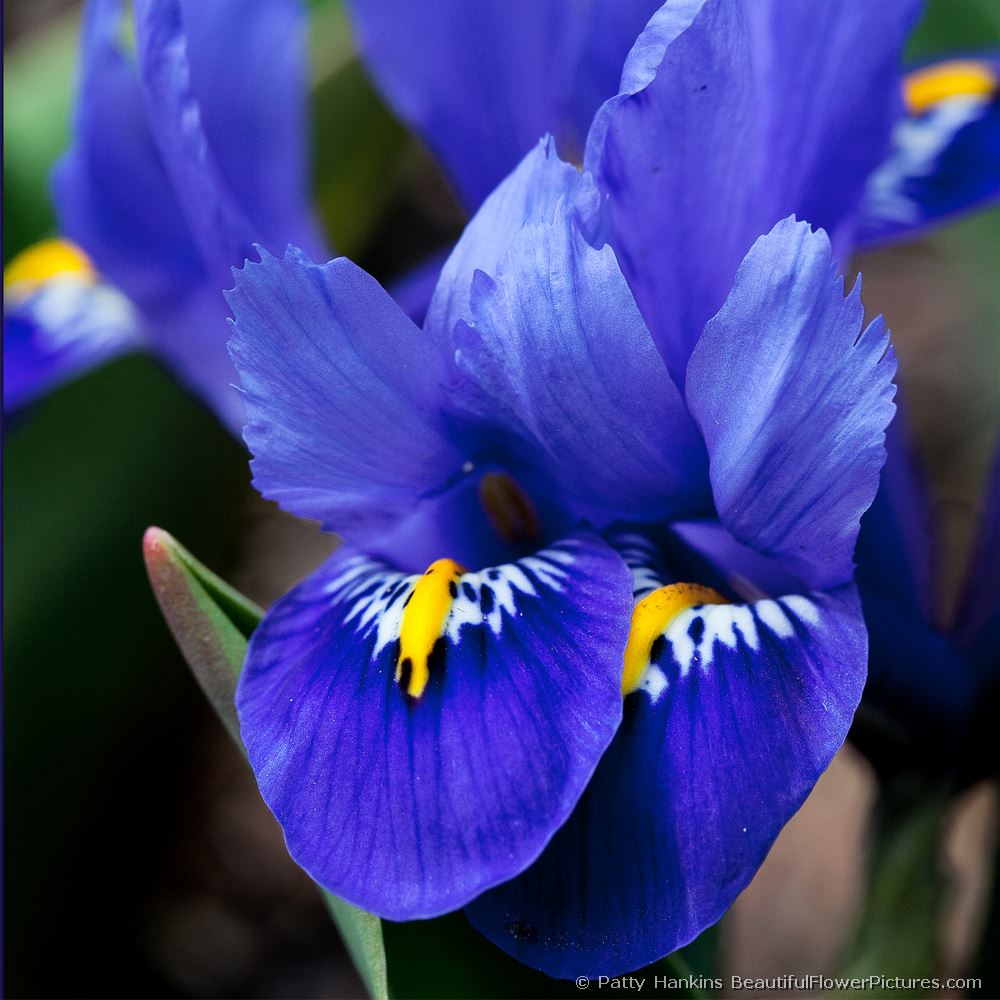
[
  {"x": 561, "y": 358},
  {"x": 793, "y": 395},
  {"x": 754, "y": 111},
  {"x": 945, "y": 152},
  {"x": 342, "y": 392},
  {"x": 409, "y": 783},
  {"x": 741, "y": 709},
  {"x": 489, "y": 78},
  {"x": 59, "y": 326}
]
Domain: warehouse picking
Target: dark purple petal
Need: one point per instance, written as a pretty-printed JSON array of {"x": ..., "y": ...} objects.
[
  {"x": 409, "y": 801},
  {"x": 343, "y": 393},
  {"x": 740, "y": 710},
  {"x": 793, "y": 395}
]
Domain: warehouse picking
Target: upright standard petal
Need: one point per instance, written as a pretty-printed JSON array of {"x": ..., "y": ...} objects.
[
  {"x": 529, "y": 195},
  {"x": 420, "y": 738},
  {"x": 111, "y": 191},
  {"x": 945, "y": 154},
  {"x": 732, "y": 712},
  {"x": 560, "y": 358},
  {"x": 342, "y": 392},
  {"x": 793, "y": 396},
  {"x": 60, "y": 320},
  {"x": 754, "y": 111},
  {"x": 489, "y": 78}
]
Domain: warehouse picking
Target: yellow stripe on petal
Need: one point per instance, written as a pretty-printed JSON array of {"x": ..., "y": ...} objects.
[
  {"x": 48, "y": 259},
  {"x": 923, "y": 88},
  {"x": 423, "y": 623},
  {"x": 652, "y": 617}
]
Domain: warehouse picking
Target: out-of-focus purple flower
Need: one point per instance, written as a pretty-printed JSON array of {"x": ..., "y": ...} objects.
[
  {"x": 422, "y": 735},
  {"x": 185, "y": 153}
]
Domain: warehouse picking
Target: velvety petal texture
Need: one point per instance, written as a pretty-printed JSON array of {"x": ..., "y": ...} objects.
[
  {"x": 60, "y": 320},
  {"x": 755, "y": 111},
  {"x": 945, "y": 153},
  {"x": 489, "y": 78},
  {"x": 559, "y": 355},
  {"x": 740, "y": 709},
  {"x": 794, "y": 417},
  {"x": 420, "y": 738},
  {"x": 342, "y": 392}
]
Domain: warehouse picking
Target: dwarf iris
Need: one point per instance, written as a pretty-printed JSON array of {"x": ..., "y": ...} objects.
[{"x": 424, "y": 712}]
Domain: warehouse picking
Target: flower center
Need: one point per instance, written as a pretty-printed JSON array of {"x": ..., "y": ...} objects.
[
  {"x": 509, "y": 510},
  {"x": 652, "y": 617}
]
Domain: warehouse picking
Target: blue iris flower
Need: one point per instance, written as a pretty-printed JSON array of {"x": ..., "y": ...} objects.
[
  {"x": 155, "y": 198},
  {"x": 436, "y": 716}
]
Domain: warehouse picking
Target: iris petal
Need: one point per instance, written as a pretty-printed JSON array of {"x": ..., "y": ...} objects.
[
  {"x": 560, "y": 357},
  {"x": 342, "y": 393},
  {"x": 793, "y": 395},
  {"x": 410, "y": 777},
  {"x": 752, "y": 112},
  {"x": 742, "y": 708}
]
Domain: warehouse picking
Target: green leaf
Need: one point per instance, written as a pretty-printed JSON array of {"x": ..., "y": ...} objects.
[{"x": 212, "y": 623}]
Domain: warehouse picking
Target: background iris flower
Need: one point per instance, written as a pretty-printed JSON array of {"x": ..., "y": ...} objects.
[
  {"x": 163, "y": 222},
  {"x": 420, "y": 738},
  {"x": 155, "y": 193}
]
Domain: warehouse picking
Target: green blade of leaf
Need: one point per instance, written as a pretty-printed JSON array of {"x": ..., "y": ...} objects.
[{"x": 211, "y": 623}]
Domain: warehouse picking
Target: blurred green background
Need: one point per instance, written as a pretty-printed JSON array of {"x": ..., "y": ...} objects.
[{"x": 128, "y": 855}]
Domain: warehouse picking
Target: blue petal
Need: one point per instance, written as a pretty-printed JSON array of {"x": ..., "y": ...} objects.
[
  {"x": 755, "y": 111},
  {"x": 560, "y": 357},
  {"x": 741, "y": 710},
  {"x": 59, "y": 329},
  {"x": 343, "y": 393},
  {"x": 111, "y": 191},
  {"x": 249, "y": 71},
  {"x": 410, "y": 802},
  {"x": 529, "y": 195},
  {"x": 793, "y": 400},
  {"x": 489, "y": 78},
  {"x": 945, "y": 154}
]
